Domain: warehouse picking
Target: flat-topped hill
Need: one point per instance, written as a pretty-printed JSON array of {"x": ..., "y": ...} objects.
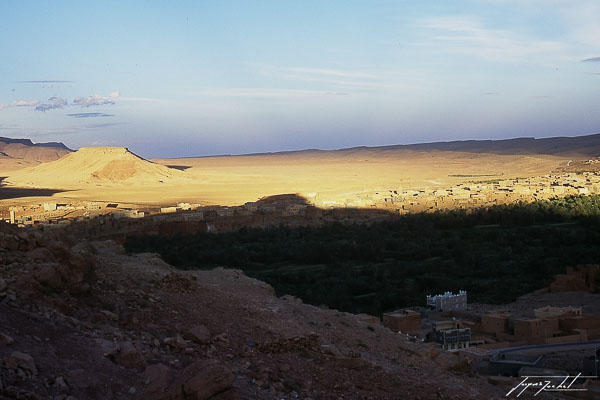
[{"x": 94, "y": 165}]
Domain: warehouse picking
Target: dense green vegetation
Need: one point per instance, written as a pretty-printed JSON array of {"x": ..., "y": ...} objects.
[{"x": 495, "y": 253}]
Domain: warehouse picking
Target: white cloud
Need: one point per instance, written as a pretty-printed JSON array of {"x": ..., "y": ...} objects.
[
  {"x": 331, "y": 77},
  {"x": 143, "y": 99},
  {"x": 20, "y": 103},
  {"x": 330, "y": 72},
  {"x": 266, "y": 93},
  {"x": 115, "y": 95},
  {"x": 467, "y": 35},
  {"x": 53, "y": 103},
  {"x": 577, "y": 18},
  {"x": 25, "y": 103},
  {"x": 583, "y": 21},
  {"x": 95, "y": 100}
]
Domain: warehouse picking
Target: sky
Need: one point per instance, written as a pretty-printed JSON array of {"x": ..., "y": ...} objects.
[{"x": 194, "y": 78}]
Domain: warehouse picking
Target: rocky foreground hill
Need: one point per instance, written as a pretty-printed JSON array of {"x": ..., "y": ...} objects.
[{"x": 82, "y": 320}]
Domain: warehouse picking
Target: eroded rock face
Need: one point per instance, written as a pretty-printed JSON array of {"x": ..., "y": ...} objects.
[{"x": 48, "y": 266}]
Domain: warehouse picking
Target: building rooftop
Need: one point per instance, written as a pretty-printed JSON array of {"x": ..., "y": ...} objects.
[
  {"x": 448, "y": 294},
  {"x": 499, "y": 314},
  {"x": 517, "y": 358},
  {"x": 476, "y": 351},
  {"x": 401, "y": 313}
]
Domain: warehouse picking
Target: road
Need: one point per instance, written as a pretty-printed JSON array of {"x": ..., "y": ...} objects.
[{"x": 547, "y": 348}]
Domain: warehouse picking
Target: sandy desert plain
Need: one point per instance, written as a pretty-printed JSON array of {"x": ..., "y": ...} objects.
[{"x": 112, "y": 174}]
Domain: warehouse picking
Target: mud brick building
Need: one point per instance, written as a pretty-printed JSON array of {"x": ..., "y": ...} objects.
[
  {"x": 493, "y": 323},
  {"x": 402, "y": 321}
]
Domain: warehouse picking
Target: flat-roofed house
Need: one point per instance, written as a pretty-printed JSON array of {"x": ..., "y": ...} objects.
[{"x": 402, "y": 321}]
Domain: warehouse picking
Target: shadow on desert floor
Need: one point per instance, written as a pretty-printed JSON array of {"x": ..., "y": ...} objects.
[
  {"x": 10, "y": 192},
  {"x": 179, "y": 167}
]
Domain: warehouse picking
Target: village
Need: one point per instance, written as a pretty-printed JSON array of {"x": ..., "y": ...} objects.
[
  {"x": 505, "y": 342},
  {"x": 475, "y": 193},
  {"x": 394, "y": 201}
]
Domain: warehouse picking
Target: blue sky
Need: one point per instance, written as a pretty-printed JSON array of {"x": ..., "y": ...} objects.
[{"x": 177, "y": 78}]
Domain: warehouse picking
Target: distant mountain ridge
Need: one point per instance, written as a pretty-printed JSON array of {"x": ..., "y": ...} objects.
[
  {"x": 587, "y": 145},
  {"x": 28, "y": 142},
  {"x": 580, "y": 145},
  {"x": 24, "y": 150}
]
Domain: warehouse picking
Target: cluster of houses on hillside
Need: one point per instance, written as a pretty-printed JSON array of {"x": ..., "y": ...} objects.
[
  {"x": 449, "y": 324},
  {"x": 494, "y": 329},
  {"x": 50, "y": 213},
  {"x": 465, "y": 195},
  {"x": 462, "y": 195}
]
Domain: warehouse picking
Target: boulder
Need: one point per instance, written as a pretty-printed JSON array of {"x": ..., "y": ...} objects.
[
  {"x": 49, "y": 277},
  {"x": 23, "y": 236},
  {"x": 40, "y": 254},
  {"x": 202, "y": 380},
  {"x": 5, "y": 339},
  {"x": 176, "y": 342},
  {"x": 9, "y": 242},
  {"x": 198, "y": 334},
  {"x": 109, "y": 348},
  {"x": 59, "y": 250},
  {"x": 129, "y": 357},
  {"x": 331, "y": 350},
  {"x": 81, "y": 274},
  {"x": 21, "y": 360},
  {"x": 209, "y": 379},
  {"x": 110, "y": 315},
  {"x": 159, "y": 377}
]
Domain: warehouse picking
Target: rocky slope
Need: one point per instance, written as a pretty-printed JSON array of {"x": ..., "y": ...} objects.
[{"x": 82, "y": 320}]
